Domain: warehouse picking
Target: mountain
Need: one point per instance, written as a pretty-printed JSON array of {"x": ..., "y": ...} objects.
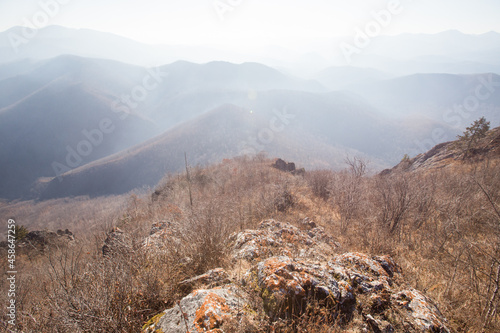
[
  {"x": 61, "y": 114},
  {"x": 451, "y": 44},
  {"x": 49, "y": 107},
  {"x": 58, "y": 117},
  {"x": 18, "y": 43},
  {"x": 337, "y": 78},
  {"x": 315, "y": 130},
  {"x": 224, "y": 132},
  {"x": 52, "y": 41},
  {"x": 447, "y": 52},
  {"x": 454, "y": 100}
]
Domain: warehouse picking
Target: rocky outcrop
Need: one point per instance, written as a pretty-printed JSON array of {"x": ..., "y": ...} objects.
[
  {"x": 201, "y": 311},
  {"x": 46, "y": 237},
  {"x": 296, "y": 272},
  {"x": 288, "y": 167},
  {"x": 42, "y": 239},
  {"x": 447, "y": 154},
  {"x": 274, "y": 238},
  {"x": 117, "y": 242},
  {"x": 284, "y": 166},
  {"x": 163, "y": 234}
]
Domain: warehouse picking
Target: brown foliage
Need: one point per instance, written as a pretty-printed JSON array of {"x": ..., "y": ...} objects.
[{"x": 443, "y": 227}]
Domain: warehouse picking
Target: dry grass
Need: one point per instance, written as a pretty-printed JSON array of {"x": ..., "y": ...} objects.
[
  {"x": 441, "y": 227},
  {"x": 80, "y": 214}
]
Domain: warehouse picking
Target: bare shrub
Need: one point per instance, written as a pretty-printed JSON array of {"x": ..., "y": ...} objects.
[
  {"x": 346, "y": 191},
  {"x": 394, "y": 198},
  {"x": 319, "y": 182}
]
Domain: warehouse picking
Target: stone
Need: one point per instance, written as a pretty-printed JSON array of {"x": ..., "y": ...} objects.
[
  {"x": 162, "y": 235},
  {"x": 274, "y": 238},
  {"x": 421, "y": 311},
  {"x": 40, "y": 239},
  {"x": 116, "y": 242},
  {"x": 308, "y": 224},
  {"x": 292, "y": 271},
  {"x": 201, "y": 311},
  {"x": 284, "y": 166}
]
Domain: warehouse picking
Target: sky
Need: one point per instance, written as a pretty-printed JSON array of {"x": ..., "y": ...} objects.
[{"x": 250, "y": 23}]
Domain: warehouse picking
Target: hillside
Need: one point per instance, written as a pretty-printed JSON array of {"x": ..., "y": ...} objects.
[
  {"x": 46, "y": 107},
  {"x": 45, "y": 114},
  {"x": 436, "y": 96},
  {"x": 318, "y": 131},
  {"x": 221, "y": 133},
  {"x": 451, "y": 155},
  {"x": 256, "y": 249}
]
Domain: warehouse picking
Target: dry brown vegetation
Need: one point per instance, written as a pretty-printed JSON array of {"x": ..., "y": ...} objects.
[
  {"x": 80, "y": 214},
  {"x": 441, "y": 226}
]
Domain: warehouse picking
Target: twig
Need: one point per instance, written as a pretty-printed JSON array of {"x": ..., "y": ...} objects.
[
  {"x": 488, "y": 196},
  {"x": 184, "y": 316},
  {"x": 189, "y": 180},
  {"x": 491, "y": 310}
]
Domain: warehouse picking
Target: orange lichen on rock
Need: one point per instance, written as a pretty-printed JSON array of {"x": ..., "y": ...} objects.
[
  {"x": 422, "y": 310},
  {"x": 211, "y": 314},
  {"x": 350, "y": 289}
]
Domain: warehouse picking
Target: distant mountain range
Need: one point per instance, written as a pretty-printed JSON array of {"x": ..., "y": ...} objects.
[
  {"x": 76, "y": 125},
  {"x": 448, "y": 52}
]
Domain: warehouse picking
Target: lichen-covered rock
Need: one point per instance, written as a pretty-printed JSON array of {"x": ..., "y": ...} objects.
[
  {"x": 294, "y": 281},
  {"x": 200, "y": 311},
  {"x": 162, "y": 234},
  {"x": 274, "y": 238},
  {"x": 366, "y": 273},
  {"x": 422, "y": 312},
  {"x": 349, "y": 285},
  {"x": 287, "y": 285},
  {"x": 295, "y": 272}
]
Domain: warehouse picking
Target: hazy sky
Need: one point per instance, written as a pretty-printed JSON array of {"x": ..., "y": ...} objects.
[{"x": 250, "y": 22}]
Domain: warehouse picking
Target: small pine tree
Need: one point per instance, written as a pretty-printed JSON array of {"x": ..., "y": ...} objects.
[
  {"x": 21, "y": 232},
  {"x": 472, "y": 135}
]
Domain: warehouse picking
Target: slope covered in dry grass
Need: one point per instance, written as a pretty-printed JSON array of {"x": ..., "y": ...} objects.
[{"x": 442, "y": 226}]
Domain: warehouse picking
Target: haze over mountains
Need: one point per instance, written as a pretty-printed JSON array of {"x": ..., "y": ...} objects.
[
  {"x": 77, "y": 119},
  {"x": 447, "y": 52}
]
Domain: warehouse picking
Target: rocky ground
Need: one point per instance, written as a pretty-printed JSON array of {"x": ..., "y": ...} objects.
[
  {"x": 449, "y": 154},
  {"x": 283, "y": 274}
]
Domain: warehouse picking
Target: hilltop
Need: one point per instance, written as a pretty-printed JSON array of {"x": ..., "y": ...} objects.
[{"x": 244, "y": 246}]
